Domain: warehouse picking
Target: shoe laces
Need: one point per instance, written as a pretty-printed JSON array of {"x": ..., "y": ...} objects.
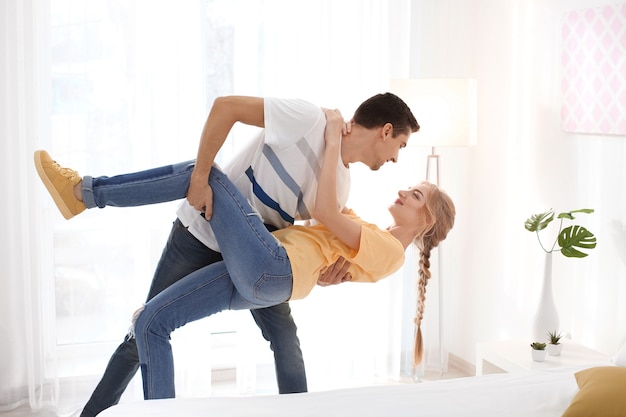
[{"x": 68, "y": 173}]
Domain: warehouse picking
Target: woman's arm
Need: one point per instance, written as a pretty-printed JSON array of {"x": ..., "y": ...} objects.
[{"x": 326, "y": 210}]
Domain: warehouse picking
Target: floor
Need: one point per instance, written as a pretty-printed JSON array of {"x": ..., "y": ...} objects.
[{"x": 224, "y": 384}]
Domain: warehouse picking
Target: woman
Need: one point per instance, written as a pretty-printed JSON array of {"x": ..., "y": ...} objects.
[{"x": 284, "y": 265}]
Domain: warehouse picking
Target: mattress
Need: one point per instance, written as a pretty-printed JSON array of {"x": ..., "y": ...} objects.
[{"x": 539, "y": 394}]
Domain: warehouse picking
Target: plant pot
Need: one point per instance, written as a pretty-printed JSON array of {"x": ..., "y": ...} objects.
[
  {"x": 554, "y": 350},
  {"x": 539, "y": 355}
]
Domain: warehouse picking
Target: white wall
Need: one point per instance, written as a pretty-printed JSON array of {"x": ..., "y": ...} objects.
[{"x": 524, "y": 164}]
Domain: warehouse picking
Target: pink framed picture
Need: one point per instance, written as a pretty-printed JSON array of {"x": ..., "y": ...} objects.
[{"x": 593, "y": 59}]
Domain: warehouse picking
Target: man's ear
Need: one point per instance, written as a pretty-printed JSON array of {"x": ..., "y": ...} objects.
[{"x": 387, "y": 131}]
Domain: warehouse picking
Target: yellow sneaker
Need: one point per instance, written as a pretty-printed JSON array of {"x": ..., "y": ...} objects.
[{"x": 60, "y": 184}]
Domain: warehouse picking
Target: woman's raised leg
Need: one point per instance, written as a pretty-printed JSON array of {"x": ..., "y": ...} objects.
[
  {"x": 73, "y": 194},
  {"x": 152, "y": 186},
  {"x": 256, "y": 261}
]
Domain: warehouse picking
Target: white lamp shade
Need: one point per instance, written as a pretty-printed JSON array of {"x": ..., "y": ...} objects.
[{"x": 444, "y": 108}]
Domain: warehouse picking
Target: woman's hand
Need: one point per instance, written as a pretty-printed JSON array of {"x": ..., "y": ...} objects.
[{"x": 336, "y": 126}]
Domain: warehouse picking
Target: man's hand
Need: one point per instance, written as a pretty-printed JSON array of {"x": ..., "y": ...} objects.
[
  {"x": 335, "y": 274},
  {"x": 226, "y": 111},
  {"x": 200, "y": 194}
]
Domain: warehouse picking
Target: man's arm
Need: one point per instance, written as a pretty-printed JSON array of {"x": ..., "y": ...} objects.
[{"x": 226, "y": 111}]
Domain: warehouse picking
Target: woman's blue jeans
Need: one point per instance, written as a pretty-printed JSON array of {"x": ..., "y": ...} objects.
[
  {"x": 182, "y": 255},
  {"x": 261, "y": 278},
  {"x": 157, "y": 185}
]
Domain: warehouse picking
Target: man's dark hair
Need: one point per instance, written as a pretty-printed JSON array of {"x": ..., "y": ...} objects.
[{"x": 386, "y": 108}]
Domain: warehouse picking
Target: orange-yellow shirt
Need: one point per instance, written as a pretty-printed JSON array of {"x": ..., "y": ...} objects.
[{"x": 310, "y": 248}]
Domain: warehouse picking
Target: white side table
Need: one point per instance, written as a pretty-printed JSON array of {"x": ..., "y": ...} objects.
[{"x": 515, "y": 356}]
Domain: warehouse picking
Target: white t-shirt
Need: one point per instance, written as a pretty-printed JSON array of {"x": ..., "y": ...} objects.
[{"x": 278, "y": 170}]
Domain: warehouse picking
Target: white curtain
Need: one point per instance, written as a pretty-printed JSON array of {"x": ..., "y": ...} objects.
[
  {"x": 113, "y": 86},
  {"x": 25, "y": 303}
]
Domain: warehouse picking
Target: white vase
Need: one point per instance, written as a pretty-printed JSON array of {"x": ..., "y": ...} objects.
[{"x": 547, "y": 317}]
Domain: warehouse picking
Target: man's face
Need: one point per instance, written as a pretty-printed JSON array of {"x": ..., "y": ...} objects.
[{"x": 387, "y": 149}]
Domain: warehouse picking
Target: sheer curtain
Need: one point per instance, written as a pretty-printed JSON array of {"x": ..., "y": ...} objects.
[
  {"x": 112, "y": 86},
  {"x": 25, "y": 303}
]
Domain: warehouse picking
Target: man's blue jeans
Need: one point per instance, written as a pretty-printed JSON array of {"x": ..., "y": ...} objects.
[
  {"x": 182, "y": 255},
  {"x": 261, "y": 278}
]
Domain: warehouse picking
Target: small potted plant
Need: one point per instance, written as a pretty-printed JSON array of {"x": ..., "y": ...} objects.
[
  {"x": 554, "y": 345},
  {"x": 538, "y": 351}
]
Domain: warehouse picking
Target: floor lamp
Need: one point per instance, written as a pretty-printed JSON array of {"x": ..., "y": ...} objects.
[{"x": 446, "y": 110}]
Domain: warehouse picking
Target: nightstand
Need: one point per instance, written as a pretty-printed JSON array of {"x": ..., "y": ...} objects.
[{"x": 514, "y": 356}]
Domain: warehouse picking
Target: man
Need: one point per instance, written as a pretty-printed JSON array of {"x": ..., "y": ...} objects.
[{"x": 277, "y": 172}]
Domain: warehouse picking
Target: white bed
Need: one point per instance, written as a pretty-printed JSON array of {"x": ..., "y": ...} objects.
[{"x": 544, "y": 393}]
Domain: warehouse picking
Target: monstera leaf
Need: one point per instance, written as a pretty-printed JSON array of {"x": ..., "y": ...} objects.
[
  {"x": 569, "y": 240},
  {"x": 573, "y": 237},
  {"x": 538, "y": 222}
]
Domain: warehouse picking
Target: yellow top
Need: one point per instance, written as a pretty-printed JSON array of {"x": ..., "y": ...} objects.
[{"x": 310, "y": 248}]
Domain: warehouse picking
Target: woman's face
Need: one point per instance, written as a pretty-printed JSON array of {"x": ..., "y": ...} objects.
[{"x": 408, "y": 207}]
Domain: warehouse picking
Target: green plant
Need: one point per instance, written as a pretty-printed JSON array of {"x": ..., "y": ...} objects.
[
  {"x": 568, "y": 239},
  {"x": 538, "y": 345},
  {"x": 554, "y": 337}
]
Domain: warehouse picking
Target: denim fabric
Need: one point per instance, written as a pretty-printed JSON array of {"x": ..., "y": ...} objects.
[
  {"x": 157, "y": 185},
  {"x": 182, "y": 255},
  {"x": 262, "y": 276},
  {"x": 260, "y": 279},
  {"x": 279, "y": 329}
]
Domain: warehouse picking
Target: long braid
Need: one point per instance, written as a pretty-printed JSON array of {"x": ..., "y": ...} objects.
[
  {"x": 424, "y": 276},
  {"x": 442, "y": 212}
]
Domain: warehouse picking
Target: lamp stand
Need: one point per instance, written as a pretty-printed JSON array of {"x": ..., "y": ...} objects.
[
  {"x": 432, "y": 176},
  {"x": 432, "y": 160}
]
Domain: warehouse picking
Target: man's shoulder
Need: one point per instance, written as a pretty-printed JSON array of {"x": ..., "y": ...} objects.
[
  {"x": 292, "y": 107},
  {"x": 289, "y": 120}
]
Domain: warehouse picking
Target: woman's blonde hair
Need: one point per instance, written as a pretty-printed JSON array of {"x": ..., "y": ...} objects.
[{"x": 440, "y": 218}]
